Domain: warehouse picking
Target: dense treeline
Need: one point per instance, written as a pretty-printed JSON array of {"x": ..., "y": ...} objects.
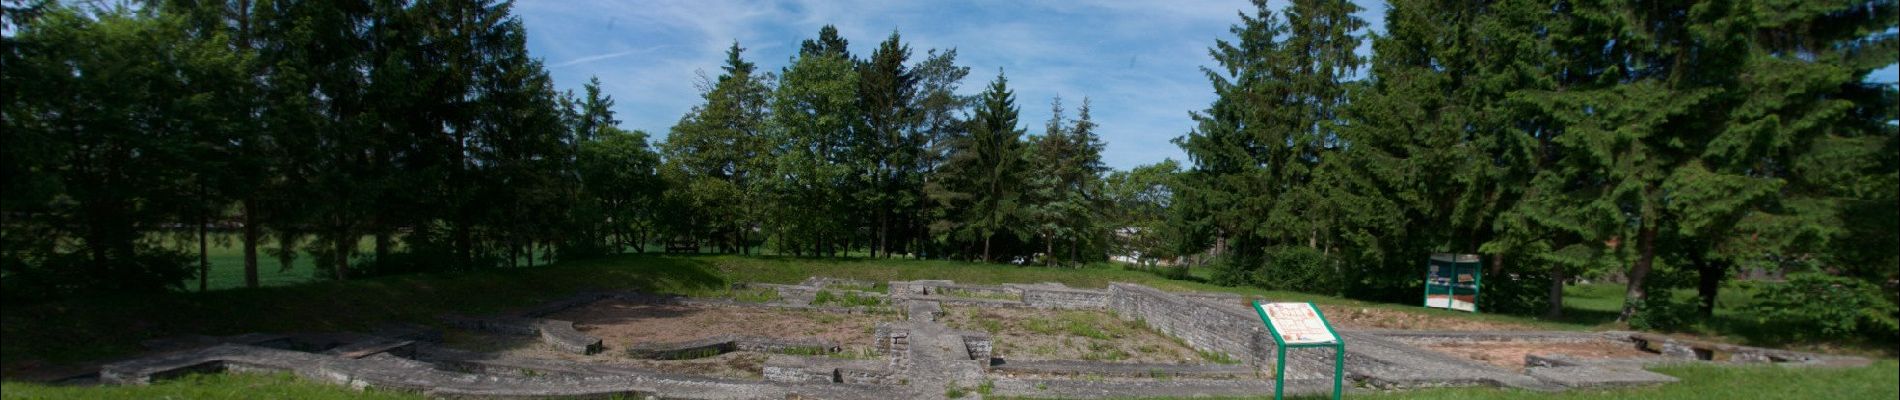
[
  {"x": 393, "y": 136},
  {"x": 424, "y": 125},
  {"x": 1667, "y": 143}
]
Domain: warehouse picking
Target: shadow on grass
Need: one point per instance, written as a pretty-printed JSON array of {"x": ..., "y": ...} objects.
[{"x": 103, "y": 326}]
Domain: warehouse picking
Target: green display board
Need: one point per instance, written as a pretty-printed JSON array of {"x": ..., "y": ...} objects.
[
  {"x": 1299, "y": 325},
  {"x": 1452, "y": 281}
]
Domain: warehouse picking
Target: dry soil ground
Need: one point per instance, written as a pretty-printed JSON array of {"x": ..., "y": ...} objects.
[
  {"x": 1031, "y": 334},
  {"x": 620, "y": 324}
]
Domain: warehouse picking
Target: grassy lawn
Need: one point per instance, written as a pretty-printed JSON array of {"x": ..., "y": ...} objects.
[
  {"x": 75, "y": 331},
  {"x": 226, "y": 255}
]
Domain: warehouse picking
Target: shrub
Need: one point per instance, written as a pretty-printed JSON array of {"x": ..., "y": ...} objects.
[
  {"x": 1829, "y": 305},
  {"x": 1661, "y": 312},
  {"x": 145, "y": 269},
  {"x": 1300, "y": 268},
  {"x": 1232, "y": 271}
]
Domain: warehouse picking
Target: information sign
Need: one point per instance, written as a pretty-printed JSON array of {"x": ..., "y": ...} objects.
[
  {"x": 1452, "y": 281},
  {"x": 1297, "y": 325}
]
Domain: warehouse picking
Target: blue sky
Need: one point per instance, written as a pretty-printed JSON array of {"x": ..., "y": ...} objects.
[{"x": 1138, "y": 61}]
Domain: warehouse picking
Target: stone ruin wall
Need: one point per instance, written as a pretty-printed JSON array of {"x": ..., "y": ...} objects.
[{"x": 1212, "y": 323}]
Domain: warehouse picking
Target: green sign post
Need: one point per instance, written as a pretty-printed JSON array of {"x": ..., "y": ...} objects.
[
  {"x": 1452, "y": 281},
  {"x": 1301, "y": 325}
]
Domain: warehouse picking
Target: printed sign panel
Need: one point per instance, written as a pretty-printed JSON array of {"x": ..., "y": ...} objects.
[{"x": 1297, "y": 323}]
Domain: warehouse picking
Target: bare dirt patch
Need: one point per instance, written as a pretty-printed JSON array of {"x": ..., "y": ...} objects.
[
  {"x": 1031, "y": 334},
  {"x": 1378, "y": 318},
  {"x": 619, "y": 324},
  {"x": 739, "y": 365},
  {"x": 1510, "y": 355}
]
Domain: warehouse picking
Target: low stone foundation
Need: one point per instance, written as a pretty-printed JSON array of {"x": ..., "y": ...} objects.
[
  {"x": 920, "y": 357},
  {"x": 728, "y": 343}
]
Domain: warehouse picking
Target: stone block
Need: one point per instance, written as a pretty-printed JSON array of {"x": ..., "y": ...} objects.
[
  {"x": 561, "y": 335},
  {"x": 1595, "y": 377}
]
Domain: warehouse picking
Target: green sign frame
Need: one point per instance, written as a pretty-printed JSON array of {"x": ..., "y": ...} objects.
[{"x": 1338, "y": 344}]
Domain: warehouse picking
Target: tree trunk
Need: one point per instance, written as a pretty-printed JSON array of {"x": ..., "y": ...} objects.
[
  {"x": 382, "y": 247},
  {"x": 1639, "y": 272},
  {"x": 1049, "y": 250},
  {"x": 1711, "y": 275},
  {"x": 640, "y": 241},
  {"x": 204, "y": 257},
  {"x": 463, "y": 252},
  {"x": 288, "y": 244},
  {"x": 341, "y": 260},
  {"x": 251, "y": 233},
  {"x": 1556, "y": 298},
  {"x": 986, "y": 248}
]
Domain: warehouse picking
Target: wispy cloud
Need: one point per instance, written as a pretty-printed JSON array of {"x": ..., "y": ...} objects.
[
  {"x": 606, "y": 56},
  {"x": 1138, "y": 61}
]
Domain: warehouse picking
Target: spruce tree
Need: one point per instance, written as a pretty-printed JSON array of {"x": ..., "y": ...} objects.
[{"x": 980, "y": 185}]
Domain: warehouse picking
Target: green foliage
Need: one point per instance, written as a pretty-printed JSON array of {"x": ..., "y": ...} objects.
[
  {"x": 753, "y": 295},
  {"x": 954, "y": 391},
  {"x": 1661, "y": 312},
  {"x": 692, "y": 354},
  {"x": 1103, "y": 351},
  {"x": 813, "y": 111},
  {"x": 804, "y": 351},
  {"x": 1217, "y": 357},
  {"x": 207, "y": 386},
  {"x": 716, "y": 159},
  {"x": 1064, "y": 190},
  {"x": 990, "y": 325},
  {"x": 848, "y": 299},
  {"x": 1828, "y": 306},
  {"x": 1232, "y": 271},
  {"x": 1140, "y": 201},
  {"x": 979, "y": 187},
  {"x": 1303, "y": 269}
]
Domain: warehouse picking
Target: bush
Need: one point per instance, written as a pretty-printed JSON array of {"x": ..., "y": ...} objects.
[
  {"x": 1509, "y": 293},
  {"x": 1232, "y": 271},
  {"x": 1828, "y": 305},
  {"x": 1300, "y": 268},
  {"x": 1661, "y": 312},
  {"x": 145, "y": 269}
]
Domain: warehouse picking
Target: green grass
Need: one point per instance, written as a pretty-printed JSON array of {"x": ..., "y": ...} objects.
[
  {"x": 848, "y": 299},
  {"x": 953, "y": 391},
  {"x": 225, "y": 254},
  {"x": 874, "y": 287},
  {"x": 1596, "y": 305},
  {"x": 972, "y": 294},
  {"x": 1880, "y": 381},
  {"x": 1710, "y": 382},
  {"x": 206, "y": 386},
  {"x": 752, "y": 295}
]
